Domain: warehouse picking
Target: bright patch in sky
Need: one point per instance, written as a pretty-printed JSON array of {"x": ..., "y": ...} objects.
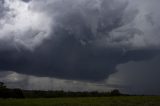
[{"x": 22, "y": 25}]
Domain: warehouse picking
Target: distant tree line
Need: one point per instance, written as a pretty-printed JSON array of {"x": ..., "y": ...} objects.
[
  {"x": 18, "y": 93},
  {"x": 10, "y": 93},
  {"x": 55, "y": 94}
]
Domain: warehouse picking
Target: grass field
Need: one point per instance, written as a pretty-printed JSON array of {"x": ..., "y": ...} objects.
[{"x": 95, "y": 101}]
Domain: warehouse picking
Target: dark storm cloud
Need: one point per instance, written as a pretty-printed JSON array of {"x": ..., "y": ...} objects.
[
  {"x": 26, "y": 0},
  {"x": 89, "y": 38},
  {"x": 69, "y": 59},
  {"x": 140, "y": 77}
]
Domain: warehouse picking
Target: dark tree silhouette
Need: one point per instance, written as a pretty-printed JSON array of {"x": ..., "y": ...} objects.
[
  {"x": 10, "y": 93},
  {"x": 2, "y": 86},
  {"x": 115, "y": 92}
]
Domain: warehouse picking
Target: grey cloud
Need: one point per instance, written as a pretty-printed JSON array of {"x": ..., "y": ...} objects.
[
  {"x": 83, "y": 39},
  {"x": 138, "y": 77},
  {"x": 143, "y": 30},
  {"x": 14, "y": 80},
  {"x": 3, "y": 9},
  {"x": 63, "y": 54},
  {"x": 100, "y": 22},
  {"x": 70, "y": 59},
  {"x": 89, "y": 21}
]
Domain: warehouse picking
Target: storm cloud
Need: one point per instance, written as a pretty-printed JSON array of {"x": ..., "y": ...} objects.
[
  {"x": 84, "y": 40},
  {"x": 137, "y": 77}
]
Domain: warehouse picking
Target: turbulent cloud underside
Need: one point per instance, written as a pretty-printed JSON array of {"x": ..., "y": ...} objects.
[{"x": 84, "y": 40}]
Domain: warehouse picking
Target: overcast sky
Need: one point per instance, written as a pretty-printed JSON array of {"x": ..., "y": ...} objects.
[{"x": 81, "y": 45}]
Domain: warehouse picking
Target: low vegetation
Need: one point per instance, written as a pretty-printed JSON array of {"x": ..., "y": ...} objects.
[
  {"x": 18, "y": 97},
  {"x": 86, "y": 101}
]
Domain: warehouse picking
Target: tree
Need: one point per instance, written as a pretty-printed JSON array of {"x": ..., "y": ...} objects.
[
  {"x": 3, "y": 90},
  {"x": 2, "y": 86},
  {"x": 115, "y": 92},
  {"x": 10, "y": 93}
]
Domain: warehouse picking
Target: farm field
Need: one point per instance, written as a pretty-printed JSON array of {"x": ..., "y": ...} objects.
[{"x": 86, "y": 101}]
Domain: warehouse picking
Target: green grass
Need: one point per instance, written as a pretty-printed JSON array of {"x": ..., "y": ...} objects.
[{"x": 88, "y": 101}]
